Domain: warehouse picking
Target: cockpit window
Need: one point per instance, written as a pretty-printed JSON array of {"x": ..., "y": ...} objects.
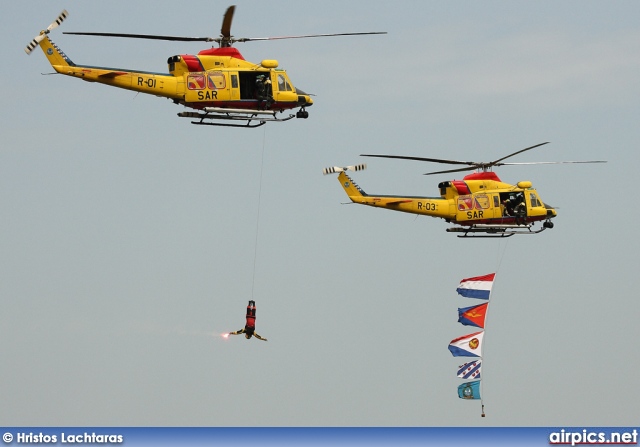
[
  {"x": 534, "y": 201},
  {"x": 283, "y": 84}
]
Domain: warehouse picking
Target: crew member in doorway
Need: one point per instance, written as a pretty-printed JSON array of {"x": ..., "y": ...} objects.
[
  {"x": 520, "y": 210},
  {"x": 249, "y": 329},
  {"x": 263, "y": 92}
]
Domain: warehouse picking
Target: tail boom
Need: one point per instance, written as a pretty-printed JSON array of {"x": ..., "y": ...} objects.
[
  {"x": 428, "y": 206},
  {"x": 164, "y": 85},
  {"x": 151, "y": 83}
]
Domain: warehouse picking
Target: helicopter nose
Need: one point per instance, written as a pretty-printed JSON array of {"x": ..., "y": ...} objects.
[
  {"x": 551, "y": 211},
  {"x": 305, "y": 101}
]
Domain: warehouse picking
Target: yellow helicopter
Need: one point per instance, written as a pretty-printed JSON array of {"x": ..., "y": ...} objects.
[
  {"x": 479, "y": 205},
  {"x": 218, "y": 83}
]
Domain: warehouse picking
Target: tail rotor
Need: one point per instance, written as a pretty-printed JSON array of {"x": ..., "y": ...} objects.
[
  {"x": 337, "y": 169},
  {"x": 56, "y": 23}
]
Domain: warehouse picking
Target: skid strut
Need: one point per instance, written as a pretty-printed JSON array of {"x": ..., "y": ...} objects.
[
  {"x": 253, "y": 118},
  {"x": 482, "y": 230}
]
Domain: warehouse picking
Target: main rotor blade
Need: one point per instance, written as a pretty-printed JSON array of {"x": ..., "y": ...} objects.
[
  {"x": 434, "y": 160},
  {"x": 147, "y": 36},
  {"x": 225, "y": 31},
  {"x": 549, "y": 162},
  {"x": 493, "y": 163},
  {"x": 473, "y": 165},
  {"x": 450, "y": 170},
  {"x": 249, "y": 39}
]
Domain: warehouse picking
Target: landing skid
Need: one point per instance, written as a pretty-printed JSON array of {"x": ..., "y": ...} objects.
[
  {"x": 497, "y": 230},
  {"x": 253, "y": 118}
]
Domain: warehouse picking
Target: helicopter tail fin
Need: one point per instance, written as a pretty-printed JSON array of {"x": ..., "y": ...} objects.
[
  {"x": 56, "y": 56},
  {"x": 351, "y": 188}
]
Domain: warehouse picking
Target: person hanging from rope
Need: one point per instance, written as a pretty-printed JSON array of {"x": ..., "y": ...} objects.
[{"x": 249, "y": 329}]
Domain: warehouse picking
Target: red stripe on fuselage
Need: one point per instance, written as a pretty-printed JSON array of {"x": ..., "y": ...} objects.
[{"x": 193, "y": 63}]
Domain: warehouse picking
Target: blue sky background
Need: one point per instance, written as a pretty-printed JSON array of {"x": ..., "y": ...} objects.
[{"x": 129, "y": 235}]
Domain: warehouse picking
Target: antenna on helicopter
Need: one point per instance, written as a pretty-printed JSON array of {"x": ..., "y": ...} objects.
[{"x": 225, "y": 39}]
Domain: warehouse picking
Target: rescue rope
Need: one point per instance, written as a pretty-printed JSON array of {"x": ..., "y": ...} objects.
[
  {"x": 499, "y": 258},
  {"x": 255, "y": 245}
]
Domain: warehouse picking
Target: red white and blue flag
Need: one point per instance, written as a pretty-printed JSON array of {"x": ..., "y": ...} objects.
[
  {"x": 467, "y": 345},
  {"x": 470, "y": 370},
  {"x": 477, "y": 287}
]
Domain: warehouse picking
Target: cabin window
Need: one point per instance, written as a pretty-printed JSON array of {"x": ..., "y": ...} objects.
[
  {"x": 234, "y": 81},
  {"x": 465, "y": 203},
  {"x": 471, "y": 202},
  {"x": 482, "y": 202},
  {"x": 195, "y": 82},
  {"x": 283, "y": 84},
  {"x": 216, "y": 80},
  {"x": 496, "y": 202}
]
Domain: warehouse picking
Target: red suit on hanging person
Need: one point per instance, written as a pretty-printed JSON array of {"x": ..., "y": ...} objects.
[{"x": 249, "y": 329}]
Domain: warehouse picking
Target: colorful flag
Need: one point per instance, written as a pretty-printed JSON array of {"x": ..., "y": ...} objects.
[
  {"x": 470, "y": 370},
  {"x": 469, "y": 390},
  {"x": 473, "y": 316},
  {"x": 467, "y": 345},
  {"x": 476, "y": 287}
]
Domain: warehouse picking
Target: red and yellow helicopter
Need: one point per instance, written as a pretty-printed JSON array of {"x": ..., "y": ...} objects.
[
  {"x": 218, "y": 83},
  {"x": 479, "y": 205}
]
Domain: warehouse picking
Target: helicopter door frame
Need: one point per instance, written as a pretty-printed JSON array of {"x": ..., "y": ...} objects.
[
  {"x": 496, "y": 206},
  {"x": 247, "y": 84},
  {"x": 234, "y": 86},
  {"x": 507, "y": 204}
]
